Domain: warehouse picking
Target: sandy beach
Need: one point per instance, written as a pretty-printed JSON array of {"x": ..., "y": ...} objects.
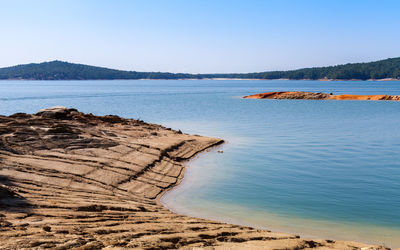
[{"x": 70, "y": 180}]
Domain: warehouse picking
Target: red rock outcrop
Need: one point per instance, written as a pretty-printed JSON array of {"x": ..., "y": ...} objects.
[{"x": 320, "y": 96}]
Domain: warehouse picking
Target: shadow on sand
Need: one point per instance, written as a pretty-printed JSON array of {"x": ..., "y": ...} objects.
[{"x": 10, "y": 200}]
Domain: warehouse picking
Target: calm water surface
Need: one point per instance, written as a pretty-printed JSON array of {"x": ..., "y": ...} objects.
[{"x": 327, "y": 169}]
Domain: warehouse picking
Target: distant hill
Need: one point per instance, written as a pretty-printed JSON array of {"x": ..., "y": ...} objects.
[
  {"x": 389, "y": 68},
  {"x": 58, "y": 70}
]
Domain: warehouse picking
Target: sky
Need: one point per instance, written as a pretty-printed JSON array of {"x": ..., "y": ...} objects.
[{"x": 199, "y": 36}]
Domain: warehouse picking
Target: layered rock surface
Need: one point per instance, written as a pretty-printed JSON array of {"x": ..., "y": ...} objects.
[
  {"x": 320, "y": 96},
  {"x": 74, "y": 180}
]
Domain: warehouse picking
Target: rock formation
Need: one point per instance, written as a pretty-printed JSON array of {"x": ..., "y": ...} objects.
[
  {"x": 320, "y": 96},
  {"x": 74, "y": 180}
]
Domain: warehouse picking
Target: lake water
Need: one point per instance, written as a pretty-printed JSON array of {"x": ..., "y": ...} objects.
[{"x": 327, "y": 169}]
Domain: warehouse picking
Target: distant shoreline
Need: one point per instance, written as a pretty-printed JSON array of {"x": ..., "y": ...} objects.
[
  {"x": 383, "y": 70},
  {"x": 217, "y": 79}
]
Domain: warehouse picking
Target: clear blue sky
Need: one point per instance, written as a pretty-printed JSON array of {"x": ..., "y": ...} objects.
[{"x": 199, "y": 35}]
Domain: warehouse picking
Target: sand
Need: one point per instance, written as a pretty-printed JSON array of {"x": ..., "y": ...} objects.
[
  {"x": 321, "y": 96},
  {"x": 77, "y": 181}
]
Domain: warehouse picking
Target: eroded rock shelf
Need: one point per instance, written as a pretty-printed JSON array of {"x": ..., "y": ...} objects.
[{"x": 71, "y": 180}]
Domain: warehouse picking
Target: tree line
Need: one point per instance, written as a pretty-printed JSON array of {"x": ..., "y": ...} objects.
[{"x": 58, "y": 70}]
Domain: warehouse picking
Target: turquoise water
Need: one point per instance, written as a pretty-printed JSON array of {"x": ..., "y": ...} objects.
[{"x": 327, "y": 169}]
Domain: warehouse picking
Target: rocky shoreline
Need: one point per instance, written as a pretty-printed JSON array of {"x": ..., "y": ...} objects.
[
  {"x": 320, "y": 96},
  {"x": 70, "y": 180}
]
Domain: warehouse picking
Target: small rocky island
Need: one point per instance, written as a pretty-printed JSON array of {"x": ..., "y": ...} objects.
[
  {"x": 70, "y": 180},
  {"x": 320, "y": 96}
]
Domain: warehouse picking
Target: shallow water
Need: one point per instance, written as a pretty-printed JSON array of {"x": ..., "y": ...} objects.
[{"x": 327, "y": 169}]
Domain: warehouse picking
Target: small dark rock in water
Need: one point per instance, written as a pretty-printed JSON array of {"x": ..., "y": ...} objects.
[{"x": 220, "y": 151}]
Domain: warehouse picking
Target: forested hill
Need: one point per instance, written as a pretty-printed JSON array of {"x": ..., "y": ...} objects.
[
  {"x": 389, "y": 68},
  {"x": 58, "y": 70}
]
